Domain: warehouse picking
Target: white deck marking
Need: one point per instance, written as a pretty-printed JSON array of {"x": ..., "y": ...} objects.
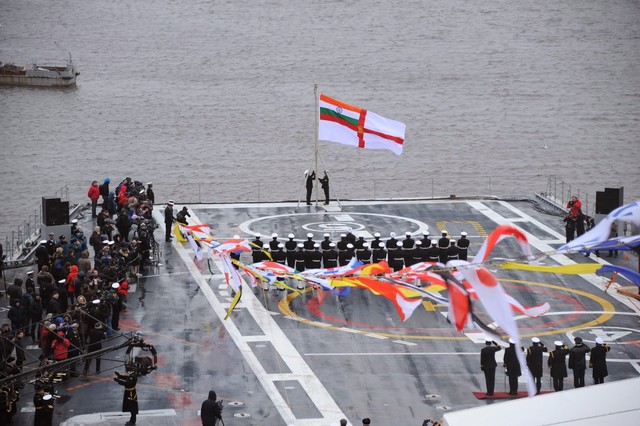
[
  {"x": 635, "y": 365},
  {"x": 545, "y": 248},
  {"x": 300, "y": 370}
]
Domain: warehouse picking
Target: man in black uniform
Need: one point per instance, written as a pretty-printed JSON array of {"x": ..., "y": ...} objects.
[
  {"x": 181, "y": 217},
  {"x": 443, "y": 245},
  {"x": 452, "y": 251},
  {"x": 598, "y": 361},
  {"x": 290, "y": 247},
  {"x": 342, "y": 244},
  {"x": 308, "y": 245},
  {"x": 417, "y": 253},
  {"x": 578, "y": 362},
  {"x": 408, "y": 242},
  {"x": 300, "y": 258},
  {"x": 330, "y": 257},
  {"x": 273, "y": 244},
  {"x": 488, "y": 364},
  {"x": 379, "y": 253},
  {"x": 364, "y": 254},
  {"x": 351, "y": 237},
  {"x": 463, "y": 246},
  {"x": 433, "y": 252},
  {"x": 150, "y": 194},
  {"x": 426, "y": 241},
  {"x": 280, "y": 256},
  {"x": 130, "y": 397},
  {"x": 324, "y": 181},
  {"x": 534, "y": 361},
  {"x": 315, "y": 257},
  {"x": 359, "y": 244},
  {"x": 325, "y": 244},
  {"x": 345, "y": 256},
  {"x": 42, "y": 254},
  {"x": 512, "y": 367},
  {"x": 558, "y": 365},
  {"x": 168, "y": 221},
  {"x": 256, "y": 249},
  {"x": 395, "y": 256},
  {"x": 309, "y": 178},
  {"x": 43, "y": 404},
  {"x": 376, "y": 242}
]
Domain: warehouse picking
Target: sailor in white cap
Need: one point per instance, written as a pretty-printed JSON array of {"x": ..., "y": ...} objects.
[
  {"x": 330, "y": 257},
  {"x": 308, "y": 245},
  {"x": 433, "y": 252},
  {"x": 408, "y": 242},
  {"x": 309, "y": 178},
  {"x": 488, "y": 364},
  {"x": 534, "y": 360},
  {"x": 598, "y": 361},
  {"x": 115, "y": 286},
  {"x": 426, "y": 241},
  {"x": 376, "y": 242},
  {"x": 168, "y": 221},
  {"x": 256, "y": 248},
  {"x": 273, "y": 244},
  {"x": 463, "y": 246},
  {"x": 325, "y": 242},
  {"x": 443, "y": 245},
  {"x": 364, "y": 254},
  {"x": 558, "y": 370},
  {"x": 378, "y": 253},
  {"x": 452, "y": 250},
  {"x": 512, "y": 367},
  {"x": 392, "y": 243},
  {"x": 314, "y": 258},
  {"x": 290, "y": 249},
  {"x": 342, "y": 244},
  {"x": 344, "y": 257}
]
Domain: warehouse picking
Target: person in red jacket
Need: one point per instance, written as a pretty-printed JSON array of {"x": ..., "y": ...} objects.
[
  {"x": 60, "y": 347},
  {"x": 94, "y": 194}
]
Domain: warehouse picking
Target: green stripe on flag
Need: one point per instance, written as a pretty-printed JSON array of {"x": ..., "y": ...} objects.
[{"x": 331, "y": 112}]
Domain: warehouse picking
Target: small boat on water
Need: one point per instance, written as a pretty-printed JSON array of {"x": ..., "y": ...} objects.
[{"x": 38, "y": 75}]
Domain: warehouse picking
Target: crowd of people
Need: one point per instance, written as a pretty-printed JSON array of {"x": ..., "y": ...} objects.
[
  {"x": 557, "y": 363},
  {"x": 73, "y": 303}
]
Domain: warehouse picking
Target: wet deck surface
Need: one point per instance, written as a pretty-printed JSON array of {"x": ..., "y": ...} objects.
[{"x": 284, "y": 358}]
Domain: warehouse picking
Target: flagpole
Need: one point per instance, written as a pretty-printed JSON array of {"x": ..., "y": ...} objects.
[{"x": 317, "y": 114}]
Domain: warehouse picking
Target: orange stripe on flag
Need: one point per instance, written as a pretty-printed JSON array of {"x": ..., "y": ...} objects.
[{"x": 341, "y": 104}]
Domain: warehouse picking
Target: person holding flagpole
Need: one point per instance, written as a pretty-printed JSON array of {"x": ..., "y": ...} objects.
[
  {"x": 324, "y": 181},
  {"x": 309, "y": 178}
]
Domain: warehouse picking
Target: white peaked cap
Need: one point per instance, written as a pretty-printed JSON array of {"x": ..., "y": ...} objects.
[
  {"x": 316, "y": 245},
  {"x": 425, "y": 233},
  {"x": 377, "y": 235},
  {"x": 300, "y": 245},
  {"x": 343, "y": 235},
  {"x": 393, "y": 235},
  {"x": 236, "y": 237},
  {"x": 327, "y": 235},
  {"x": 62, "y": 281},
  {"x": 464, "y": 234},
  {"x": 309, "y": 235},
  {"x": 47, "y": 397},
  {"x": 258, "y": 235},
  {"x": 418, "y": 243},
  {"x": 365, "y": 245},
  {"x": 280, "y": 245},
  {"x": 349, "y": 245},
  {"x": 445, "y": 232},
  {"x": 557, "y": 343},
  {"x": 512, "y": 341},
  {"x": 74, "y": 221},
  {"x": 115, "y": 285},
  {"x": 434, "y": 242},
  {"x": 452, "y": 242},
  {"x": 599, "y": 341},
  {"x": 274, "y": 235},
  {"x": 407, "y": 233},
  {"x": 535, "y": 340},
  {"x": 291, "y": 236},
  {"x": 332, "y": 244}
]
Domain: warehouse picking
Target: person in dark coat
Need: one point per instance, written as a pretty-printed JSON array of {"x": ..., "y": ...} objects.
[
  {"x": 168, "y": 221},
  {"x": 324, "y": 181},
  {"x": 95, "y": 336},
  {"x": 309, "y": 178},
  {"x": 433, "y": 252},
  {"x": 598, "y": 361},
  {"x": 43, "y": 404},
  {"x": 488, "y": 364},
  {"x": 290, "y": 247},
  {"x": 182, "y": 215},
  {"x": 130, "y": 397},
  {"x": 558, "y": 365},
  {"x": 512, "y": 367},
  {"x": 463, "y": 246},
  {"x": 150, "y": 194},
  {"x": 578, "y": 362},
  {"x": 534, "y": 361},
  {"x": 330, "y": 257},
  {"x": 443, "y": 245},
  {"x": 300, "y": 258},
  {"x": 211, "y": 410},
  {"x": 256, "y": 249},
  {"x": 42, "y": 254}
]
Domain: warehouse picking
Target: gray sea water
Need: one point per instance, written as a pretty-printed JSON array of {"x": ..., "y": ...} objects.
[{"x": 213, "y": 100}]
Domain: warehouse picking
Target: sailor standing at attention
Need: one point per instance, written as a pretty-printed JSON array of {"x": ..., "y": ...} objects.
[
  {"x": 309, "y": 178},
  {"x": 443, "y": 245},
  {"x": 534, "y": 361},
  {"x": 256, "y": 249},
  {"x": 463, "y": 246},
  {"x": 168, "y": 221},
  {"x": 290, "y": 248}
]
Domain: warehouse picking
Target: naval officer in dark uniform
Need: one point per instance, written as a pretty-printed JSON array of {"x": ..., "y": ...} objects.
[
  {"x": 168, "y": 221},
  {"x": 330, "y": 257},
  {"x": 290, "y": 248},
  {"x": 488, "y": 364},
  {"x": 443, "y": 245},
  {"x": 534, "y": 361},
  {"x": 463, "y": 246}
]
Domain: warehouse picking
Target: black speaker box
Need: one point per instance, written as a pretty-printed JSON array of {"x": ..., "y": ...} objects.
[
  {"x": 50, "y": 211},
  {"x": 615, "y": 196},
  {"x": 63, "y": 213}
]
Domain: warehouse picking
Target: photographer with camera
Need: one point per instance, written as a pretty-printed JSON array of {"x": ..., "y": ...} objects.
[{"x": 211, "y": 410}]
